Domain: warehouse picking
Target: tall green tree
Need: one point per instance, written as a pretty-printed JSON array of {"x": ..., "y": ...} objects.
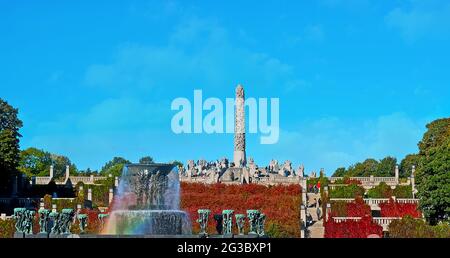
[
  {"x": 407, "y": 163},
  {"x": 433, "y": 173},
  {"x": 146, "y": 160},
  {"x": 114, "y": 167},
  {"x": 35, "y": 162},
  {"x": 10, "y": 125}
]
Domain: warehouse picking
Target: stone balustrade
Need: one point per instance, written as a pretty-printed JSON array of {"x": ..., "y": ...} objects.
[
  {"x": 382, "y": 221},
  {"x": 376, "y": 201},
  {"x": 89, "y": 180}
]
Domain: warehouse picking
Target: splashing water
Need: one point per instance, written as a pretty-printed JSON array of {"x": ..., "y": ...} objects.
[{"x": 147, "y": 202}]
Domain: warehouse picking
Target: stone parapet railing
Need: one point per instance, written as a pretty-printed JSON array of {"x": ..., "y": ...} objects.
[
  {"x": 376, "y": 201},
  {"x": 382, "y": 221}
]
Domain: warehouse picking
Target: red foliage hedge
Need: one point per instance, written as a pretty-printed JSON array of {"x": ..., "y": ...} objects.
[
  {"x": 281, "y": 204},
  {"x": 395, "y": 209},
  {"x": 352, "y": 229}
]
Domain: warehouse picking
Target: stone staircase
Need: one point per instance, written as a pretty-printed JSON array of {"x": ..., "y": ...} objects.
[{"x": 316, "y": 230}]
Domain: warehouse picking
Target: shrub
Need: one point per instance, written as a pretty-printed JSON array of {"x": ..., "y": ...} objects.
[
  {"x": 352, "y": 229},
  {"x": 380, "y": 191},
  {"x": 280, "y": 203},
  {"x": 348, "y": 191},
  {"x": 395, "y": 209},
  {"x": 408, "y": 227},
  {"x": 403, "y": 191},
  {"x": 7, "y": 228}
]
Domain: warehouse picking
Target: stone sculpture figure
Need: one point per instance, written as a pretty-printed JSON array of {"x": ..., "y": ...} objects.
[
  {"x": 102, "y": 217},
  {"x": 287, "y": 168},
  {"x": 253, "y": 216},
  {"x": 55, "y": 218},
  {"x": 261, "y": 224},
  {"x": 219, "y": 219},
  {"x": 227, "y": 222},
  {"x": 82, "y": 219},
  {"x": 203, "y": 215},
  {"x": 301, "y": 171},
  {"x": 43, "y": 221},
  {"x": 240, "y": 221},
  {"x": 24, "y": 220},
  {"x": 19, "y": 217},
  {"x": 62, "y": 221}
]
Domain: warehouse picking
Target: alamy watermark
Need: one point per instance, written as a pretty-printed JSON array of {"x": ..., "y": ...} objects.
[{"x": 190, "y": 119}]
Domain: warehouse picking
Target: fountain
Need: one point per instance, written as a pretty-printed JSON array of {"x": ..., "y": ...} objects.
[{"x": 147, "y": 202}]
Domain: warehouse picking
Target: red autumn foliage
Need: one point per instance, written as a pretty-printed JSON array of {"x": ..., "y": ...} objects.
[
  {"x": 352, "y": 229},
  {"x": 350, "y": 181},
  {"x": 357, "y": 208},
  {"x": 395, "y": 209},
  {"x": 279, "y": 203}
]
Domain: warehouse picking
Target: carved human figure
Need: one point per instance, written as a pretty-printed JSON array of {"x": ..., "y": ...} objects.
[
  {"x": 253, "y": 216},
  {"x": 102, "y": 218},
  {"x": 240, "y": 221},
  {"x": 203, "y": 215},
  {"x": 43, "y": 220},
  {"x": 227, "y": 222},
  {"x": 261, "y": 224},
  {"x": 219, "y": 223},
  {"x": 82, "y": 219}
]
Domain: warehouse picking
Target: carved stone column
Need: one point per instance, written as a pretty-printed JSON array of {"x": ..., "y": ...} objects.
[{"x": 239, "y": 129}]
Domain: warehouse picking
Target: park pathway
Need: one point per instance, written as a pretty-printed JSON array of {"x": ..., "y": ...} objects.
[{"x": 316, "y": 230}]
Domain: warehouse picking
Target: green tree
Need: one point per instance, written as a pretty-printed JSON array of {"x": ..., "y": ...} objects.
[
  {"x": 407, "y": 163},
  {"x": 146, "y": 160},
  {"x": 114, "y": 167},
  {"x": 340, "y": 172},
  {"x": 59, "y": 166},
  {"x": 433, "y": 180},
  {"x": 9, "y": 144},
  {"x": 438, "y": 131},
  {"x": 35, "y": 162},
  {"x": 386, "y": 167}
]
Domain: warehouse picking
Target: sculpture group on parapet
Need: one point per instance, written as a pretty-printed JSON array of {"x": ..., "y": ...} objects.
[
  {"x": 51, "y": 222},
  {"x": 220, "y": 170},
  {"x": 224, "y": 222}
]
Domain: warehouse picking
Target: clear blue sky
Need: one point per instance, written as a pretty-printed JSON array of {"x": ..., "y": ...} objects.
[{"x": 356, "y": 79}]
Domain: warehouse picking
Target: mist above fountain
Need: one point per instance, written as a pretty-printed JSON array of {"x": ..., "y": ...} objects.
[{"x": 147, "y": 202}]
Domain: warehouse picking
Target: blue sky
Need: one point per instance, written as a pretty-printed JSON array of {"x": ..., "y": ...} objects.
[{"x": 355, "y": 79}]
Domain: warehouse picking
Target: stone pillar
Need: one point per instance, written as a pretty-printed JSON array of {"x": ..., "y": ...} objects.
[
  {"x": 396, "y": 174},
  {"x": 327, "y": 211},
  {"x": 67, "y": 172},
  {"x": 91, "y": 178},
  {"x": 51, "y": 171},
  {"x": 303, "y": 221},
  {"x": 89, "y": 197},
  {"x": 304, "y": 190},
  {"x": 78, "y": 208},
  {"x": 116, "y": 182},
  {"x": 239, "y": 128},
  {"x": 111, "y": 195},
  {"x": 3, "y": 216},
  {"x": 53, "y": 207}
]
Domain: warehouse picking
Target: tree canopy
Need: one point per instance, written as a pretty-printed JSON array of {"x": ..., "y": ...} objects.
[
  {"x": 146, "y": 160},
  {"x": 10, "y": 125},
  {"x": 381, "y": 168},
  {"x": 433, "y": 172},
  {"x": 114, "y": 166}
]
